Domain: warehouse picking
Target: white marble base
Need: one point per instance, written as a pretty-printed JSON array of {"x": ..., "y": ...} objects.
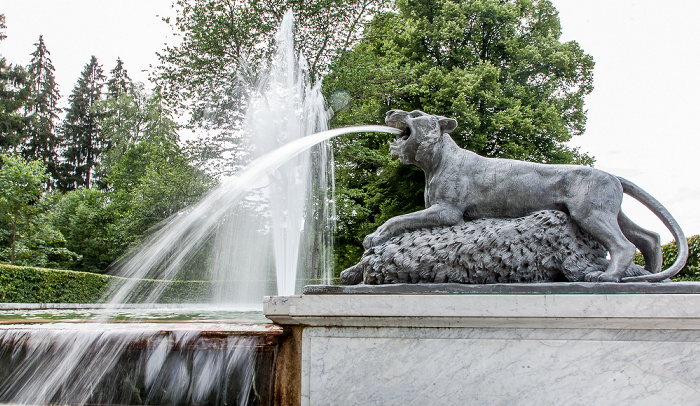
[{"x": 496, "y": 349}]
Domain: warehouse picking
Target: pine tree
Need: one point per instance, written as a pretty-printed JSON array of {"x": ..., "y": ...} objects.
[
  {"x": 82, "y": 143},
  {"x": 14, "y": 93},
  {"x": 42, "y": 112},
  {"x": 117, "y": 110},
  {"x": 3, "y": 27},
  {"x": 120, "y": 83}
]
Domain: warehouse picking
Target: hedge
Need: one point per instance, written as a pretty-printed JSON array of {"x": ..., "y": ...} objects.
[{"x": 25, "y": 284}]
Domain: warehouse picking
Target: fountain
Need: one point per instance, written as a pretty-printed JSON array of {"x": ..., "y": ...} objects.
[
  {"x": 127, "y": 352},
  {"x": 435, "y": 343}
]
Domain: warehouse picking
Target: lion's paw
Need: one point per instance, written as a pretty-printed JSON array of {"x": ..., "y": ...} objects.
[
  {"x": 599, "y": 276},
  {"x": 376, "y": 238}
]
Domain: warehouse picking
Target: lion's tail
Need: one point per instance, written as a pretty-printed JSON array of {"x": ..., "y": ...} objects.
[{"x": 660, "y": 211}]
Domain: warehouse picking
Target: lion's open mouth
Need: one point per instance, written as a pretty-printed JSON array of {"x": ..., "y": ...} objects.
[{"x": 405, "y": 132}]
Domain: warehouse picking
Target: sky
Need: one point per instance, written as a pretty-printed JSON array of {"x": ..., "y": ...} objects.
[{"x": 641, "y": 114}]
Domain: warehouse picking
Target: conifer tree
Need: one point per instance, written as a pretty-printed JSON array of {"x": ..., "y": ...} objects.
[
  {"x": 117, "y": 109},
  {"x": 14, "y": 93},
  {"x": 42, "y": 112},
  {"x": 82, "y": 143},
  {"x": 120, "y": 83}
]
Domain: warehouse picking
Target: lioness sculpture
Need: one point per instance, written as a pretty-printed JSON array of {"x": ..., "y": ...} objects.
[{"x": 463, "y": 185}]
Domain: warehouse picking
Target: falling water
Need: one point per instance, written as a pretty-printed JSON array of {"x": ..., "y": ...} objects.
[{"x": 121, "y": 364}]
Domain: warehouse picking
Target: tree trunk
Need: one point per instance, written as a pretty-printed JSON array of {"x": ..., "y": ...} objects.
[{"x": 14, "y": 236}]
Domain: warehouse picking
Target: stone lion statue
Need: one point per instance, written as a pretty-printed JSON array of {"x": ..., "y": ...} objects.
[{"x": 461, "y": 185}]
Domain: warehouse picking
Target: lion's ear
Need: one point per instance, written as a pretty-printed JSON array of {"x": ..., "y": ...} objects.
[{"x": 447, "y": 125}]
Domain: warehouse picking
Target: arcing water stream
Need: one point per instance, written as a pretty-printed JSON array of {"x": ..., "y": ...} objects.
[
  {"x": 75, "y": 363},
  {"x": 186, "y": 232}
]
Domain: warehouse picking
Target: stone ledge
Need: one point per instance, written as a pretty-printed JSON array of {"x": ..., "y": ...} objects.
[{"x": 619, "y": 311}]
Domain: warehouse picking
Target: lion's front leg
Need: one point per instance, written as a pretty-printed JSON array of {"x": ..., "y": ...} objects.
[{"x": 437, "y": 215}]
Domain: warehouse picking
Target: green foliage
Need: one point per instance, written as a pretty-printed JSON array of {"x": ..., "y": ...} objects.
[
  {"x": 119, "y": 83},
  {"x": 222, "y": 39},
  {"x": 222, "y": 49},
  {"x": 23, "y": 284},
  {"x": 496, "y": 66},
  {"x": 20, "y": 189},
  {"x": 37, "y": 285},
  {"x": 86, "y": 218},
  {"x": 14, "y": 95},
  {"x": 152, "y": 181},
  {"x": 41, "y": 111},
  {"x": 83, "y": 141},
  {"x": 691, "y": 270},
  {"x": 119, "y": 166}
]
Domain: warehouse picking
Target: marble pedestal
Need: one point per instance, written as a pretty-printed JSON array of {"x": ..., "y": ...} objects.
[{"x": 437, "y": 347}]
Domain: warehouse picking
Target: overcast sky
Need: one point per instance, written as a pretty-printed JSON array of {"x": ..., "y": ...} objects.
[{"x": 641, "y": 115}]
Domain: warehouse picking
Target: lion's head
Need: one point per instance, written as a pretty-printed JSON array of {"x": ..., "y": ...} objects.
[{"x": 420, "y": 131}]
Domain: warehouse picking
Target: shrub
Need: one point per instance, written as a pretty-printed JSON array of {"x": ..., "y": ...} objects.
[
  {"x": 691, "y": 270},
  {"x": 24, "y": 284}
]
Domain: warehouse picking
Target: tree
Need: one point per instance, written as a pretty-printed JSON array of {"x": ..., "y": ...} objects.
[
  {"x": 3, "y": 27},
  {"x": 497, "y": 66},
  {"x": 42, "y": 112},
  {"x": 223, "y": 46},
  {"x": 82, "y": 141},
  {"x": 87, "y": 219},
  {"x": 121, "y": 118},
  {"x": 152, "y": 181},
  {"x": 14, "y": 94},
  {"x": 21, "y": 186},
  {"x": 222, "y": 39},
  {"x": 119, "y": 83},
  {"x": 144, "y": 177},
  {"x": 129, "y": 119}
]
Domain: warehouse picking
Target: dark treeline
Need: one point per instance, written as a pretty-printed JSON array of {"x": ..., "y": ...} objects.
[{"x": 79, "y": 185}]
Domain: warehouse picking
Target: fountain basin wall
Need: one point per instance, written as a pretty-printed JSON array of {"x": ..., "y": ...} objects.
[
  {"x": 214, "y": 363},
  {"x": 495, "y": 344}
]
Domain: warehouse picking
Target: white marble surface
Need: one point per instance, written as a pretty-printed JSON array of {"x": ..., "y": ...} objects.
[
  {"x": 496, "y": 349},
  {"x": 506, "y": 367}
]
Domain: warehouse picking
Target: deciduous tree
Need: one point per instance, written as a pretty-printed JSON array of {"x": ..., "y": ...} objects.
[
  {"x": 21, "y": 186},
  {"x": 221, "y": 48},
  {"x": 497, "y": 66}
]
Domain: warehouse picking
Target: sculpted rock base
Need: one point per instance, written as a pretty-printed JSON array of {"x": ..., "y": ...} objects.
[{"x": 544, "y": 246}]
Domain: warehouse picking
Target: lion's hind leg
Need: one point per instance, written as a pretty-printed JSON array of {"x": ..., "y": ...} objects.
[
  {"x": 648, "y": 242},
  {"x": 602, "y": 225}
]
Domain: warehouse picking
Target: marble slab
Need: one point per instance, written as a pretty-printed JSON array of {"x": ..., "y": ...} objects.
[{"x": 506, "y": 367}]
